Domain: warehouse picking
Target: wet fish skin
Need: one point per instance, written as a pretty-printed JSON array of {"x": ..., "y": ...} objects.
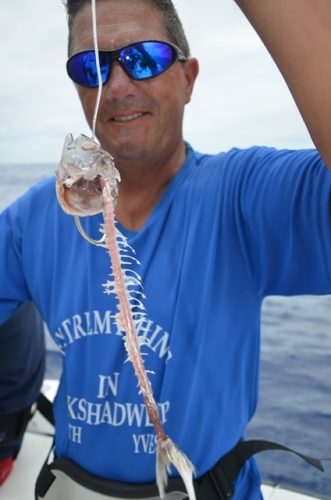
[{"x": 83, "y": 163}]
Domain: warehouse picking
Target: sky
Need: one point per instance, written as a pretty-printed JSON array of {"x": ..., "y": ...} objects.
[{"x": 240, "y": 99}]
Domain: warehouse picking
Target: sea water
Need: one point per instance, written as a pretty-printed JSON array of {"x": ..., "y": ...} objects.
[{"x": 295, "y": 383}]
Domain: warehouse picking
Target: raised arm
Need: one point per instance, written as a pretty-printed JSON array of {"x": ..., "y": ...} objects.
[{"x": 297, "y": 34}]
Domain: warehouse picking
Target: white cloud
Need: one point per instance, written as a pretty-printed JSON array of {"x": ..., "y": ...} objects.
[{"x": 239, "y": 99}]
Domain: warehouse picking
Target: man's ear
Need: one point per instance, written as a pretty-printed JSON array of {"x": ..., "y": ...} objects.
[{"x": 191, "y": 69}]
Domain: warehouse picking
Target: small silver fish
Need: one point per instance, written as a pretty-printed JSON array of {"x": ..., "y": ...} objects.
[{"x": 87, "y": 184}]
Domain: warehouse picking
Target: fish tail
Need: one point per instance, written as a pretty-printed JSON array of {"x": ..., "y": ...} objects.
[{"x": 169, "y": 454}]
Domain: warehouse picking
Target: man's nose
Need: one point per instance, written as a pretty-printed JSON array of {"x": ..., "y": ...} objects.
[{"x": 119, "y": 83}]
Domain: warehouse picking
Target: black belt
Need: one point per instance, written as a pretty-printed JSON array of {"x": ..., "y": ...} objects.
[
  {"x": 215, "y": 484},
  {"x": 218, "y": 482}
]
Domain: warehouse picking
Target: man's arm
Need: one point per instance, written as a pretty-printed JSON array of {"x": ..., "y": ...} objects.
[{"x": 297, "y": 34}]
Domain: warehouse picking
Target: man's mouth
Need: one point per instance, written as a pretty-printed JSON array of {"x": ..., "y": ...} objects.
[{"x": 127, "y": 118}]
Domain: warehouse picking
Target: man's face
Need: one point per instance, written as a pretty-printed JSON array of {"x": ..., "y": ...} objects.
[{"x": 136, "y": 118}]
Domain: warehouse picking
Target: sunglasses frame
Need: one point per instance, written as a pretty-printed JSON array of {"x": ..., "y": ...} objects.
[{"x": 115, "y": 56}]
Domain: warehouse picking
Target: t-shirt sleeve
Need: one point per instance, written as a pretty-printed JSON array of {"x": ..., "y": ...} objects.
[
  {"x": 13, "y": 289},
  {"x": 283, "y": 217}
]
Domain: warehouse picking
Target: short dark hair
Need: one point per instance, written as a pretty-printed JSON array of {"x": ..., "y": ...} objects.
[{"x": 172, "y": 22}]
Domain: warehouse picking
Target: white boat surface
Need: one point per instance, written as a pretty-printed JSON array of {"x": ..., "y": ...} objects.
[{"x": 37, "y": 443}]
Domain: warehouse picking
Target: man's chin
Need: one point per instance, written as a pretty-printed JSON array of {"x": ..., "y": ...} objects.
[{"x": 125, "y": 150}]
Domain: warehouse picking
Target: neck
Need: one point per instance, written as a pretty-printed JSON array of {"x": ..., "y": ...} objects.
[{"x": 143, "y": 184}]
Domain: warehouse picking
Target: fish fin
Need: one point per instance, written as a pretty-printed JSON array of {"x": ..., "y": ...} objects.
[
  {"x": 169, "y": 454},
  {"x": 120, "y": 322}
]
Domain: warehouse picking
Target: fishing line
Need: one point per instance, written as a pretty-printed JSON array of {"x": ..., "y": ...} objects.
[
  {"x": 95, "y": 114},
  {"x": 96, "y": 109},
  {"x": 97, "y": 60}
]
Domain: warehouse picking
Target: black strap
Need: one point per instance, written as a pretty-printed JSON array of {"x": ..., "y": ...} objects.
[
  {"x": 223, "y": 475},
  {"x": 216, "y": 484},
  {"x": 45, "y": 407},
  {"x": 45, "y": 477},
  {"x": 235, "y": 459}
]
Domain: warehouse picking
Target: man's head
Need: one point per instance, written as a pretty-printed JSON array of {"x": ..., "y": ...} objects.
[
  {"x": 139, "y": 121},
  {"x": 172, "y": 23}
]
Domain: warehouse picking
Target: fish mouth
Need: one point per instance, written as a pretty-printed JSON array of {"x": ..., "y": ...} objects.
[
  {"x": 81, "y": 197},
  {"x": 86, "y": 187}
]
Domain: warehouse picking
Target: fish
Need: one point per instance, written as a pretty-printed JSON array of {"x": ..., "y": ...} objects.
[
  {"x": 87, "y": 184},
  {"x": 82, "y": 166}
]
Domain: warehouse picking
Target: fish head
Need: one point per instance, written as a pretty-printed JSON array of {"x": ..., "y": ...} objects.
[{"x": 78, "y": 177}]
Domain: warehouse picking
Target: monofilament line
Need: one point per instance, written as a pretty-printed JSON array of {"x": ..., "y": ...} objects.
[{"x": 97, "y": 60}]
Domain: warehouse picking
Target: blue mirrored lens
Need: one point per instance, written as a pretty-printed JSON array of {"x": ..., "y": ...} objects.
[
  {"x": 140, "y": 60},
  {"x": 146, "y": 59},
  {"x": 82, "y": 68}
]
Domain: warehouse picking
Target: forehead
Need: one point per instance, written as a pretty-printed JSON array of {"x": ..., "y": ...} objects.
[{"x": 119, "y": 22}]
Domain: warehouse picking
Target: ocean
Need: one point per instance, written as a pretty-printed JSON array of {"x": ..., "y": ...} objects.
[{"x": 295, "y": 383}]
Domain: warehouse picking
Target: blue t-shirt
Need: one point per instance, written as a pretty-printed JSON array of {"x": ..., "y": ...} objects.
[{"x": 230, "y": 229}]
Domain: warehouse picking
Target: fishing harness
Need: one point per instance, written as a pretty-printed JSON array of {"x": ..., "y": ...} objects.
[{"x": 215, "y": 484}]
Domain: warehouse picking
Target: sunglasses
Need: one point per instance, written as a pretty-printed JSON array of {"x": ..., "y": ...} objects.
[{"x": 140, "y": 61}]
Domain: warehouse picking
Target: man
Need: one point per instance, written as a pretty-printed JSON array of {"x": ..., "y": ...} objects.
[{"x": 214, "y": 235}]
